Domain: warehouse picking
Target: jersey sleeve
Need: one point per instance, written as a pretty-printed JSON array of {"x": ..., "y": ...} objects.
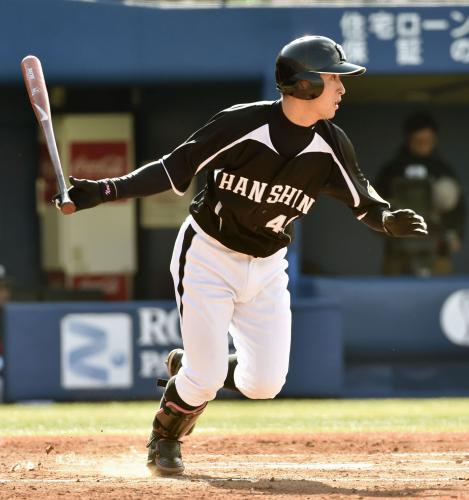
[
  {"x": 195, "y": 154},
  {"x": 176, "y": 170},
  {"x": 348, "y": 184}
]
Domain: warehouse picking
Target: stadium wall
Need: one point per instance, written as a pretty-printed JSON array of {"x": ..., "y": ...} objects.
[
  {"x": 352, "y": 337},
  {"x": 98, "y": 351}
]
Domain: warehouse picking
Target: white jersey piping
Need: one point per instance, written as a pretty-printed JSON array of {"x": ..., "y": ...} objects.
[
  {"x": 179, "y": 193},
  {"x": 261, "y": 134},
  {"x": 318, "y": 144}
]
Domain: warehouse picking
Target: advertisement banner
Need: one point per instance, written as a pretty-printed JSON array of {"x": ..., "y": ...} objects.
[
  {"x": 102, "y": 351},
  {"x": 96, "y": 351},
  {"x": 406, "y": 39},
  {"x": 388, "y": 37}
]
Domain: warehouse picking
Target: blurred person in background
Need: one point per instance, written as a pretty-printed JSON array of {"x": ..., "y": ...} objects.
[{"x": 417, "y": 177}]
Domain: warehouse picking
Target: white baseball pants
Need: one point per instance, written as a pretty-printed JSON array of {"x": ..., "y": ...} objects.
[{"x": 220, "y": 290}]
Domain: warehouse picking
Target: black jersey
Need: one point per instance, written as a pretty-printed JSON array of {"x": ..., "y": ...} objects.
[{"x": 256, "y": 186}]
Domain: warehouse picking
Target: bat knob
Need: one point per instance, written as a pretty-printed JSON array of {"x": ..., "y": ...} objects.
[{"x": 68, "y": 208}]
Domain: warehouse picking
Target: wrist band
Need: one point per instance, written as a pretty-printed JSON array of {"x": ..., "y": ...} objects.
[{"x": 108, "y": 190}]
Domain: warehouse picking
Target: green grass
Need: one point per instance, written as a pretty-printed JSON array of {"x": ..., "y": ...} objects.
[{"x": 289, "y": 416}]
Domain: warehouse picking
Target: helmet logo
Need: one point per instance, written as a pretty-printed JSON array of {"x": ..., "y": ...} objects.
[{"x": 341, "y": 52}]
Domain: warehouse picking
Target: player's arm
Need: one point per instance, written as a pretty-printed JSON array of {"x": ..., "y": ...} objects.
[
  {"x": 147, "y": 180},
  {"x": 174, "y": 171},
  {"x": 348, "y": 184}
]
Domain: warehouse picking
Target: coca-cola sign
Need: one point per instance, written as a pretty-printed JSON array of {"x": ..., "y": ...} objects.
[{"x": 96, "y": 160}]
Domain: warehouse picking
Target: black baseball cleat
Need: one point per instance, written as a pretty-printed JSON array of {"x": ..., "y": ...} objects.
[
  {"x": 174, "y": 361},
  {"x": 164, "y": 455}
]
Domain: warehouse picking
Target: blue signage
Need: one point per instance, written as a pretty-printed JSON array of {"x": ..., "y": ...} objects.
[
  {"x": 407, "y": 39},
  {"x": 99, "y": 351},
  {"x": 96, "y": 350},
  {"x": 154, "y": 44}
]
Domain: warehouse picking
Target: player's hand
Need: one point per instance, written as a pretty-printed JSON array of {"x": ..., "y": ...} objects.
[
  {"x": 404, "y": 224},
  {"x": 86, "y": 193}
]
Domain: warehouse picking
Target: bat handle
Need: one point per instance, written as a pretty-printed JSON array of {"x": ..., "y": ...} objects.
[{"x": 67, "y": 206}]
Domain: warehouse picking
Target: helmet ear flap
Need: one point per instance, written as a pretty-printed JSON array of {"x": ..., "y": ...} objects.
[
  {"x": 304, "y": 89},
  {"x": 309, "y": 89}
]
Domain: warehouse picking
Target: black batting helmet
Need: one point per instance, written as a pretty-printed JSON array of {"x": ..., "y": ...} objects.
[{"x": 305, "y": 59}]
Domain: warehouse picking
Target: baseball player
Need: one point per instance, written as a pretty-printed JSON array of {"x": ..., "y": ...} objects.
[{"x": 266, "y": 163}]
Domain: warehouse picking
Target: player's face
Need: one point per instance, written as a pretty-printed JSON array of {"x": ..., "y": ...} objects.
[{"x": 328, "y": 102}]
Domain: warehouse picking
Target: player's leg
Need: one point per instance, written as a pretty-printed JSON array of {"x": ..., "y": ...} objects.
[
  {"x": 206, "y": 305},
  {"x": 261, "y": 330},
  {"x": 172, "y": 422},
  {"x": 205, "y": 280},
  {"x": 174, "y": 362}
]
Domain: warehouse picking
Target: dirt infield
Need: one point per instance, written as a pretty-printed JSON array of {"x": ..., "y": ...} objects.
[{"x": 358, "y": 466}]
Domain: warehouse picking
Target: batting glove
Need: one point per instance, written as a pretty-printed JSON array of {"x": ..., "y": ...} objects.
[
  {"x": 87, "y": 194},
  {"x": 404, "y": 224}
]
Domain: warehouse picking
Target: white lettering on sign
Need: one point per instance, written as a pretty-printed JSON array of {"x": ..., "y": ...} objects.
[
  {"x": 409, "y": 42},
  {"x": 354, "y": 31},
  {"x": 463, "y": 28},
  {"x": 435, "y": 24},
  {"x": 159, "y": 327},
  {"x": 382, "y": 25},
  {"x": 408, "y": 24},
  {"x": 353, "y": 25},
  {"x": 152, "y": 364},
  {"x": 356, "y": 51},
  {"x": 459, "y": 50},
  {"x": 409, "y": 51},
  {"x": 406, "y": 30}
]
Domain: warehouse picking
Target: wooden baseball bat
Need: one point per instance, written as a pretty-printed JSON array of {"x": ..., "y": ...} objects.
[{"x": 37, "y": 91}]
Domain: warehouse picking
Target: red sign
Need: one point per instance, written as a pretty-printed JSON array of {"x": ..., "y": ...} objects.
[
  {"x": 113, "y": 286},
  {"x": 98, "y": 160}
]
